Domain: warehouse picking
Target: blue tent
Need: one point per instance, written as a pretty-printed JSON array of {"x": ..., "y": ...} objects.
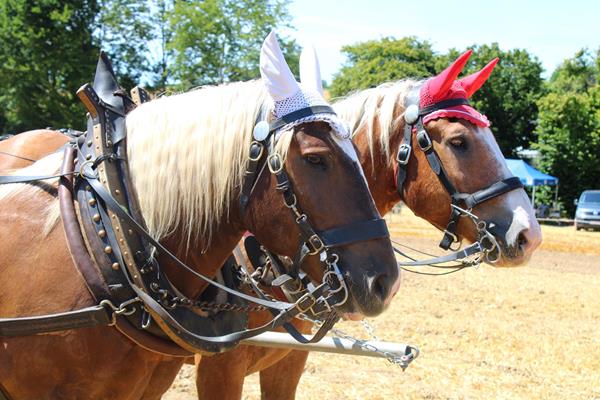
[{"x": 530, "y": 176}]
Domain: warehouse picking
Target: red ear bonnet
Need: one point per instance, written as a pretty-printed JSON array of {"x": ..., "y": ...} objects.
[{"x": 445, "y": 86}]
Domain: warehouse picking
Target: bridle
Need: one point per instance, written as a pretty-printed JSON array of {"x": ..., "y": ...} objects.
[
  {"x": 461, "y": 204},
  {"x": 312, "y": 242}
]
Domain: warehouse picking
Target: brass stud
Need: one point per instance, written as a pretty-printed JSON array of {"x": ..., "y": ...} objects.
[
  {"x": 131, "y": 266},
  {"x": 117, "y": 228},
  {"x": 135, "y": 277},
  {"x": 92, "y": 202},
  {"x": 115, "y": 266},
  {"x": 96, "y": 217},
  {"x": 117, "y": 192},
  {"x": 130, "y": 231},
  {"x": 75, "y": 160},
  {"x": 88, "y": 157},
  {"x": 108, "y": 249},
  {"x": 125, "y": 253},
  {"x": 122, "y": 240},
  {"x": 89, "y": 143},
  {"x": 109, "y": 143},
  {"x": 102, "y": 233},
  {"x": 88, "y": 188}
]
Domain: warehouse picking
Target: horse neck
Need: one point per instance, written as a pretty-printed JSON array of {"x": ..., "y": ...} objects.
[
  {"x": 378, "y": 169},
  {"x": 206, "y": 260}
]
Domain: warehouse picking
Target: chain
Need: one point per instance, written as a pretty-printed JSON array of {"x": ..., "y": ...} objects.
[
  {"x": 400, "y": 361},
  {"x": 212, "y": 306}
]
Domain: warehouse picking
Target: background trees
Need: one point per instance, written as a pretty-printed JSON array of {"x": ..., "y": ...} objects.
[{"x": 569, "y": 127}]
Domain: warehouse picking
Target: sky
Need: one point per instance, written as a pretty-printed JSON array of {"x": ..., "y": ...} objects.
[{"x": 551, "y": 30}]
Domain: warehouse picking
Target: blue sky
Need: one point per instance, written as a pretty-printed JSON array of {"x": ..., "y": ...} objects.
[{"x": 551, "y": 30}]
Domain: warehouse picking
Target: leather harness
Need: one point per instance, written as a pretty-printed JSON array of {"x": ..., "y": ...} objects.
[
  {"x": 413, "y": 118},
  {"x": 117, "y": 257}
]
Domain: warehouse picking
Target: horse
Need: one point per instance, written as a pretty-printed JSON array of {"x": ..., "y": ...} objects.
[
  {"x": 26, "y": 148},
  {"x": 187, "y": 154},
  {"x": 472, "y": 160}
]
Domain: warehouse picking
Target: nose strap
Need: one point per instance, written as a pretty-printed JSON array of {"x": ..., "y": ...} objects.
[
  {"x": 355, "y": 232},
  {"x": 497, "y": 189}
]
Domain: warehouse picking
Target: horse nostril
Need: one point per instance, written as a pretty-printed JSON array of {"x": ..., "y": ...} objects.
[
  {"x": 379, "y": 287},
  {"x": 522, "y": 241}
]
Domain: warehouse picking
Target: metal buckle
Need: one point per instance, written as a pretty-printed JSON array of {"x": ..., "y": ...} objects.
[
  {"x": 404, "y": 152},
  {"x": 300, "y": 303},
  {"x": 260, "y": 153},
  {"x": 424, "y": 140},
  {"x": 273, "y": 157},
  {"x": 316, "y": 243}
]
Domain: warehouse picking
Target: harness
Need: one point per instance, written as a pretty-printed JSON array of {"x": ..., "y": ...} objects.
[
  {"x": 461, "y": 203},
  {"x": 117, "y": 256}
]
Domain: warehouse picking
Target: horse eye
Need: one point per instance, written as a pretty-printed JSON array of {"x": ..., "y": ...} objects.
[
  {"x": 459, "y": 143},
  {"x": 314, "y": 159}
]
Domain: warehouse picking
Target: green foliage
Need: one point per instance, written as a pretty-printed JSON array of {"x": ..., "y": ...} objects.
[
  {"x": 217, "y": 41},
  {"x": 47, "y": 53},
  {"x": 569, "y": 128},
  {"x": 123, "y": 29},
  {"x": 509, "y": 97},
  {"x": 374, "y": 62}
]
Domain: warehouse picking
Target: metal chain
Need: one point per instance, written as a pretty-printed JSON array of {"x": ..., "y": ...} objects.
[
  {"x": 400, "y": 361},
  {"x": 212, "y": 306}
]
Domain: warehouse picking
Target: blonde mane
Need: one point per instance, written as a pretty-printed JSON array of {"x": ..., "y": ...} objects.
[
  {"x": 187, "y": 155},
  {"x": 379, "y": 109}
]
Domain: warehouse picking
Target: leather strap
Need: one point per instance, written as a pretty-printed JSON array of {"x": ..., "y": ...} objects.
[
  {"x": 299, "y": 114},
  {"x": 84, "y": 318},
  {"x": 440, "y": 105},
  {"x": 498, "y": 188},
  {"x": 355, "y": 232}
]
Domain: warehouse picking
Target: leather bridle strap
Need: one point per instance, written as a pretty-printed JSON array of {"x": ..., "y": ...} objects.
[
  {"x": 299, "y": 114},
  {"x": 498, "y": 188}
]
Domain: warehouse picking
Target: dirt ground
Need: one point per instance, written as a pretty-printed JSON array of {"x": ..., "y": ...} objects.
[{"x": 485, "y": 333}]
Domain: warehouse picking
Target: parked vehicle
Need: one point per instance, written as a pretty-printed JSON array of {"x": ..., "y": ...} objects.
[{"x": 587, "y": 214}]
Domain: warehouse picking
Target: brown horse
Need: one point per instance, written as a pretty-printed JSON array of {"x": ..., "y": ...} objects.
[
  {"x": 187, "y": 154},
  {"x": 24, "y": 149},
  {"x": 473, "y": 161}
]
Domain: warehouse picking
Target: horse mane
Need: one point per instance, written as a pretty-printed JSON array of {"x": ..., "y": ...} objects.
[
  {"x": 187, "y": 155},
  {"x": 376, "y": 110}
]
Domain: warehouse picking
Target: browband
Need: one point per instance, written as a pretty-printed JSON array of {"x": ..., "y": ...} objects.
[
  {"x": 441, "y": 105},
  {"x": 299, "y": 114}
]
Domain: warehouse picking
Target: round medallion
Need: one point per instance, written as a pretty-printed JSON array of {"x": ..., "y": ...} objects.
[
  {"x": 411, "y": 114},
  {"x": 261, "y": 131}
]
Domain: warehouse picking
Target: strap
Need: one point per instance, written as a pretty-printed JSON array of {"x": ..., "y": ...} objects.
[
  {"x": 299, "y": 114},
  {"x": 116, "y": 208},
  {"x": 440, "y": 105},
  {"x": 8, "y": 179},
  {"x": 403, "y": 157},
  {"x": 355, "y": 232},
  {"x": 498, "y": 188},
  {"x": 84, "y": 318},
  {"x": 464, "y": 253}
]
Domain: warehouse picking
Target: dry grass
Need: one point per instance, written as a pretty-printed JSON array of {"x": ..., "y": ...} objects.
[{"x": 526, "y": 333}]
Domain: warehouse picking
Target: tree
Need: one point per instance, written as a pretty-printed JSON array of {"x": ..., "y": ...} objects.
[
  {"x": 123, "y": 28},
  {"x": 217, "y": 41},
  {"x": 569, "y": 128},
  {"x": 47, "y": 52},
  {"x": 371, "y": 63},
  {"x": 509, "y": 97}
]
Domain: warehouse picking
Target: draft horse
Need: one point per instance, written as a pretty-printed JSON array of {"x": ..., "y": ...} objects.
[
  {"x": 188, "y": 160},
  {"x": 464, "y": 149}
]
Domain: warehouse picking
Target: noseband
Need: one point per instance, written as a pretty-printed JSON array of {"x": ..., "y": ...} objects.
[{"x": 461, "y": 204}]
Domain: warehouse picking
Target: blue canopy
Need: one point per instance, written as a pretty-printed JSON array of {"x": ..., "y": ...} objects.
[{"x": 530, "y": 176}]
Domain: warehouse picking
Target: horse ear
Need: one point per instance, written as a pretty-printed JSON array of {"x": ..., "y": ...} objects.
[
  {"x": 441, "y": 83},
  {"x": 275, "y": 72},
  {"x": 310, "y": 73},
  {"x": 473, "y": 82}
]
